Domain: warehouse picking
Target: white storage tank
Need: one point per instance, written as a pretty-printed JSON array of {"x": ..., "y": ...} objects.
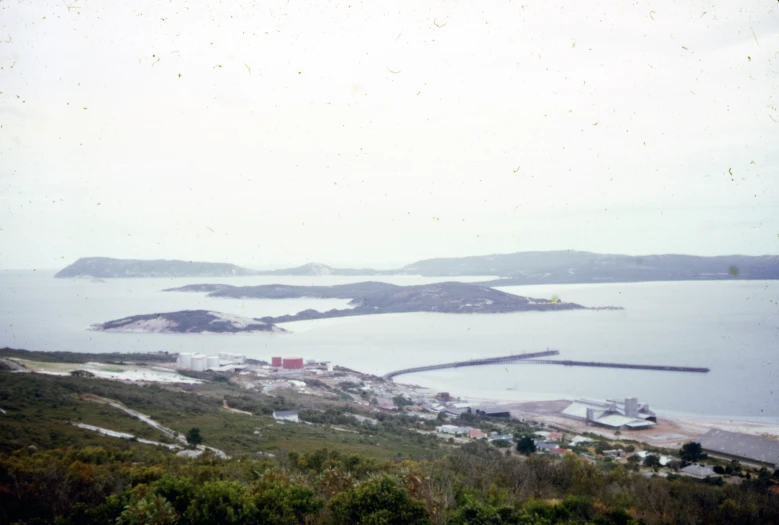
[
  {"x": 184, "y": 361},
  {"x": 212, "y": 362},
  {"x": 199, "y": 363}
]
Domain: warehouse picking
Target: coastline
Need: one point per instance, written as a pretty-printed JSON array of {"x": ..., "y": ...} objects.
[{"x": 672, "y": 429}]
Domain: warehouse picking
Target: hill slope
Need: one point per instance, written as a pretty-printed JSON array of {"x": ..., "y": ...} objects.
[{"x": 584, "y": 267}]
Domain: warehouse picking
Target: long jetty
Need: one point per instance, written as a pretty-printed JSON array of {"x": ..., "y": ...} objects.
[
  {"x": 664, "y": 368},
  {"x": 474, "y": 362}
]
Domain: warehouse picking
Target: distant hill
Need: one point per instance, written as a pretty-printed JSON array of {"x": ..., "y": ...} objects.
[
  {"x": 104, "y": 267},
  {"x": 555, "y": 267},
  {"x": 551, "y": 267},
  {"x": 569, "y": 267},
  {"x": 323, "y": 269}
]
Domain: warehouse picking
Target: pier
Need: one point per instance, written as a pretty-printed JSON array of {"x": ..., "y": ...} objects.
[
  {"x": 662, "y": 368},
  {"x": 531, "y": 358},
  {"x": 473, "y": 362}
]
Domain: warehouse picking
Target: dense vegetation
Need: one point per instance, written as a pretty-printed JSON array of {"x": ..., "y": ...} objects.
[
  {"x": 80, "y": 357},
  {"x": 473, "y": 485},
  {"x": 334, "y": 470}
]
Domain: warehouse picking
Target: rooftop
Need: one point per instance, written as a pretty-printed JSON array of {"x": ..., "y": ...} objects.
[{"x": 752, "y": 448}]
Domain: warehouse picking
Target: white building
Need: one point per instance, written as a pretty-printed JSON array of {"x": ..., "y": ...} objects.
[
  {"x": 286, "y": 415},
  {"x": 664, "y": 460},
  {"x": 212, "y": 362},
  {"x": 579, "y": 440},
  {"x": 452, "y": 429}
]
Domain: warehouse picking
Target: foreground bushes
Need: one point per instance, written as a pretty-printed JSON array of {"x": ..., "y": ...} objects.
[{"x": 475, "y": 485}]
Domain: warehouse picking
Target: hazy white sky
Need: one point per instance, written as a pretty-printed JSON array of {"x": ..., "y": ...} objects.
[{"x": 276, "y": 133}]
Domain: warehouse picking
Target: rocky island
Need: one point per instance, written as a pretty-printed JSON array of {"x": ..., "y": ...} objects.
[
  {"x": 187, "y": 321},
  {"x": 371, "y": 298}
]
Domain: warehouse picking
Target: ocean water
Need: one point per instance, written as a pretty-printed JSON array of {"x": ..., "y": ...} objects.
[{"x": 731, "y": 327}]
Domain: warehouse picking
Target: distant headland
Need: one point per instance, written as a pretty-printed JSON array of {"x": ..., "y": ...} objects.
[{"x": 549, "y": 267}]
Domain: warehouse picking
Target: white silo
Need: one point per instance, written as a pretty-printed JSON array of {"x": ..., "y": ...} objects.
[
  {"x": 199, "y": 363},
  {"x": 212, "y": 362},
  {"x": 184, "y": 361}
]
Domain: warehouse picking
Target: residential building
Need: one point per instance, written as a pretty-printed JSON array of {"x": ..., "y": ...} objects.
[
  {"x": 475, "y": 433},
  {"x": 579, "y": 440},
  {"x": 452, "y": 429}
]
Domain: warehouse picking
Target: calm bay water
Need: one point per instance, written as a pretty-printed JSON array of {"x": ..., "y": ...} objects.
[{"x": 731, "y": 327}]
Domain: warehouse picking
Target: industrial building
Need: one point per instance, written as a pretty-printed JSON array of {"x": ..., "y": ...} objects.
[
  {"x": 201, "y": 363},
  {"x": 292, "y": 363},
  {"x": 629, "y": 414},
  {"x": 275, "y": 362},
  {"x": 198, "y": 363},
  {"x": 745, "y": 448},
  {"x": 184, "y": 361},
  {"x": 491, "y": 411}
]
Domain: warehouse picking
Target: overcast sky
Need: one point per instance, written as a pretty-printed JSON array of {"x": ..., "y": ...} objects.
[{"x": 276, "y": 133}]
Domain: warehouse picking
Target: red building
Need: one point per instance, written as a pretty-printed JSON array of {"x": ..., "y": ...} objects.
[
  {"x": 292, "y": 363},
  {"x": 275, "y": 362}
]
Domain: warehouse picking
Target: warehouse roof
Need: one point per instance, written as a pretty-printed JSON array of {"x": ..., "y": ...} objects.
[{"x": 752, "y": 448}]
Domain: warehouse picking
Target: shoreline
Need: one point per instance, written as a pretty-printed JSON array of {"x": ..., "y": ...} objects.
[{"x": 672, "y": 429}]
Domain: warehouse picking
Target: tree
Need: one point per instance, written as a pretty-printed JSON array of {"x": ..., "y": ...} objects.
[
  {"x": 222, "y": 502},
  {"x": 401, "y": 401},
  {"x": 151, "y": 509},
  {"x": 278, "y": 504},
  {"x": 692, "y": 452},
  {"x": 652, "y": 461},
  {"x": 379, "y": 501},
  {"x": 194, "y": 437},
  {"x": 526, "y": 445}
]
